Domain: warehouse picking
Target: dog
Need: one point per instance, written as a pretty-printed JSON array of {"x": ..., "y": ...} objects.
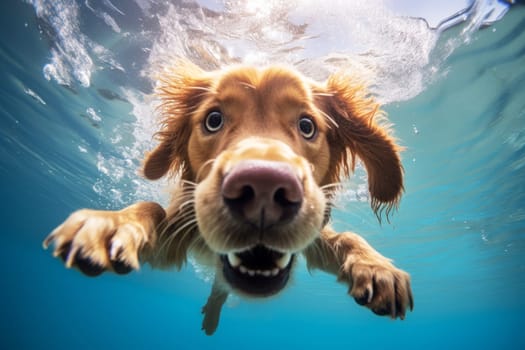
[{"x": 256, "y": 156}]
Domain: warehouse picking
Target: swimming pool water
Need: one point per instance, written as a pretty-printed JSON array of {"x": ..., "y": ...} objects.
[{"x": 73, "y": 131}]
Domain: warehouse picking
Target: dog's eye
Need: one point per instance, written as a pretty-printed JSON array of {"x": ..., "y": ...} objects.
[
  {"x": 307, "y": 127},
  {"x": 214, "y": 121}
]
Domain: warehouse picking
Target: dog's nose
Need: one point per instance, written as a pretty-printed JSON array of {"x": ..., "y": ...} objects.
[{"x": 263, "y": 192}]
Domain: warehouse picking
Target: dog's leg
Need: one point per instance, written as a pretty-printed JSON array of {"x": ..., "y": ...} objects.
[
  {"x": 212, "y": 309},
  {"x": 373, "y": 280},
  {"x": 96, "y": 240}
]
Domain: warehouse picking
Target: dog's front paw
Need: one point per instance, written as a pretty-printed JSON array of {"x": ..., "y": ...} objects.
[
  {"x": 95, "y": 241},
  {"x": 380, "y": 286}
]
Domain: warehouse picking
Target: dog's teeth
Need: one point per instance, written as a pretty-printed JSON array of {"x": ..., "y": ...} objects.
[
  {"x": 234, "y": 260},
  {"x": 246, "y": 271},
  {"x": 281, "y": 263},
  {"x": 284, "y": 260}
]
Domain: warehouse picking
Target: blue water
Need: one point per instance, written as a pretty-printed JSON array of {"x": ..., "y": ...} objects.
[{"x": 67, "y": 144}]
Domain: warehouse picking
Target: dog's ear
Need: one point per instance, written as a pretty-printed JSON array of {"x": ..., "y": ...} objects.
[
  {"x": 158, "y": 162},
  {"x": 360, "y": 130},
  {"x": 181, "y": 90}
]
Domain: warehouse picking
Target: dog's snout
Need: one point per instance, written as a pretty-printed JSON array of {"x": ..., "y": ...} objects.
[{"x": 262, "y": 192}]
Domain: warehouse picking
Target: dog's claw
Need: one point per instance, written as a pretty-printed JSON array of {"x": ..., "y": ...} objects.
[
  {"x": 88, "y": 266},
  {"x": 119, "y": 264},
  {"x": 381, "y": 287},
  {"x": 121, "y": 267},
  {"x": 63, "y": 251},
  {"x": 382, "y": 311},
  {"x": 366, "y": 298},
  {"x": 97, "y": 241},
  {"x": 47, "y": 241}
]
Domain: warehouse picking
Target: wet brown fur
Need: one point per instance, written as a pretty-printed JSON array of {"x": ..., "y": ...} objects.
[{"x": 261, "y": 106}]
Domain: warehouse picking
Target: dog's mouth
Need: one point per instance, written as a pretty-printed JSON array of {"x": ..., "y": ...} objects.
[{"x": 259, "y": 271}]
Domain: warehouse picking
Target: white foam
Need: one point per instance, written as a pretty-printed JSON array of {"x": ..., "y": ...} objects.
[
  {"x": 110, "y": 21},
  {"x": 388, "y": 50},
  {"x": 93, "y": 115},
  {"x": 70, "y": 59},
  {"x": 395, "y": 54},
  {"x": 35, "y": 96}
]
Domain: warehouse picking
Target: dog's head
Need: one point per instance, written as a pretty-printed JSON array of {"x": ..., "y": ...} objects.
[{"x": 265, "y": 149}]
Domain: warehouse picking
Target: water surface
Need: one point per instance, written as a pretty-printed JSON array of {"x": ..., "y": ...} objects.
[{"x": 76, "y": 116}]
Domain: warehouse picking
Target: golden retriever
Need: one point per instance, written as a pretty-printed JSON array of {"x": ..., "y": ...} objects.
[{"x": 257, "y": 156}]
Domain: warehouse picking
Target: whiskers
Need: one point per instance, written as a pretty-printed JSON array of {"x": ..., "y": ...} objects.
[
  {"x": 208, "y": 163},
  {"x": 179, "y": 232},
  {"x": 331, "y": 121},
  {"x": 329, "y": 191}
]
